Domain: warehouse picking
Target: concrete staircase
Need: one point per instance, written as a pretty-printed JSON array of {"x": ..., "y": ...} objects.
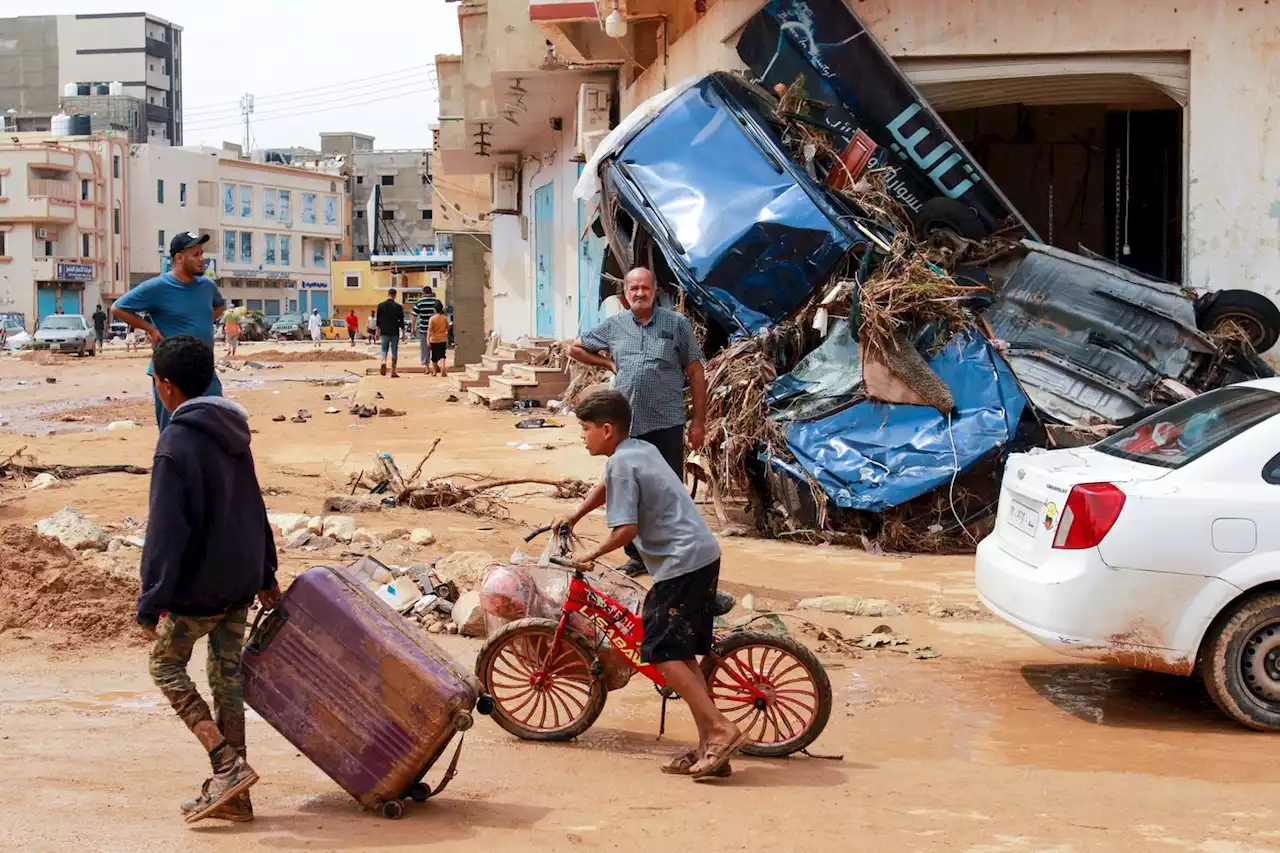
[{"x": 509, "y": 376}]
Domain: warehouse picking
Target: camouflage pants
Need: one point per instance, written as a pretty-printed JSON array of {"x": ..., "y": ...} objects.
[{"x": 176, "y": 637}]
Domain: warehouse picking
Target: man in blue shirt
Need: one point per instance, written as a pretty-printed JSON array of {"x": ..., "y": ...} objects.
[{"x": 180, "y": 302}]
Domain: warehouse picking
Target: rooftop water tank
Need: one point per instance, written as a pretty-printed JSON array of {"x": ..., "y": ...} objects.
[
  {"x": 101, "y": 89},
  {"x": 82, "y": 88},
  {"x": 116, "y": 88},
  {"x": 61, "y": 125},
  {"x": 81, "y": 125},
  {"x": 69, "y": 90}
]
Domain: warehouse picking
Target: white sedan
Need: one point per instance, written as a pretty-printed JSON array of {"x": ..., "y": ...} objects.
[{"x": 1157, "y": 548}]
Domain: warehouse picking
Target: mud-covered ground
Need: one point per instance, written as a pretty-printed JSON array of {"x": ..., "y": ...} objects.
[{"x": 997, "y": 745}]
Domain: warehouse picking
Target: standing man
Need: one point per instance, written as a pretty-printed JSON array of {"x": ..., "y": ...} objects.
[
  {"x": 390, "y": 322},
  {"x": 313, "y": 326},
  {"x": 653, "y": 352},
  {"x": 438, "y": 338},
  {"x": 423, "y": 310},
  {"x": 180, "y": 302},
  {"x": 353, "y": 326},
  {"x": 100, "y": 325}
]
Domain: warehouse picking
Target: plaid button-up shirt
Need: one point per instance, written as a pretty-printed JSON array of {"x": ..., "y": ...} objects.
[{"x": 651, "y": 359}]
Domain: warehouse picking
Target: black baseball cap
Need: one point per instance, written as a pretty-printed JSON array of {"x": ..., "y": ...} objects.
[{"x": 185, "y": 240}]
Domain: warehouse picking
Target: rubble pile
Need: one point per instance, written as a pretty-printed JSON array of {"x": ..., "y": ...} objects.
[{"x": 44, "y": 585}]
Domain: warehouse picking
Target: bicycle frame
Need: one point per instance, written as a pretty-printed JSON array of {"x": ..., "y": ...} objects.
[{"x": 622, "y": 628}]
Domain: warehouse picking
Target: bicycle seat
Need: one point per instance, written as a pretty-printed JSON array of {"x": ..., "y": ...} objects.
[{"x": 723, "y": 604}]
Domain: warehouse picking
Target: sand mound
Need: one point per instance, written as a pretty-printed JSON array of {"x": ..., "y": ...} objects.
[
  {"x": 44, "y": 585},
  {"x": 278, "y": 357}
]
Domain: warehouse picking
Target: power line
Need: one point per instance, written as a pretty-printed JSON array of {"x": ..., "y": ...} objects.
[
  {"x": 421, "y": 82},
  {"x": 303, "y": 109},
  {"x": 236, "y": 123},
  {"x": 221, "y": 106}
]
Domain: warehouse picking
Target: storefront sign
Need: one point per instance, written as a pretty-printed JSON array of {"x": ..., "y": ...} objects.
[
  {"x": 314, "y": 285},
  {"x": 75, "y": 272}
]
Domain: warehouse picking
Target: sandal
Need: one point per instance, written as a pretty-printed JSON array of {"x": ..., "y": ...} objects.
[
  {"x": 683, "y": 763},
  {"x": 716, "y": 758}
]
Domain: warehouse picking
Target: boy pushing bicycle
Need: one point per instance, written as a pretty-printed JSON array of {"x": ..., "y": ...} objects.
[{"x": 645, "y": 502}]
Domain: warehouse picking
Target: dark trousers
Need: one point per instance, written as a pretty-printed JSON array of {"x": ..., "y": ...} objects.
[{"x": 670, "y": 443}]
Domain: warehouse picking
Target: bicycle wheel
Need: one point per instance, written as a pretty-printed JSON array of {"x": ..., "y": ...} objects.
[
  {"x": 557, "y": 702},
  {"x": 797, "y": 692}
]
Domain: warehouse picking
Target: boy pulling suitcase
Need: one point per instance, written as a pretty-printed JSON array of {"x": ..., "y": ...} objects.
[{"x": 208, "y": 552}]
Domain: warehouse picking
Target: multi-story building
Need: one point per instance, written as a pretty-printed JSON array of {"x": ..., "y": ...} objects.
[
  {"x": 43, "y": 55},
  {"x": 63, "y": 246},
  {"x": 274, "y": 230},
  {"x": 393, "y": 185}
]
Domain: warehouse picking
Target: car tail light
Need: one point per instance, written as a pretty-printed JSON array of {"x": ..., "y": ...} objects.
[{"x": 1091, "y": 512}]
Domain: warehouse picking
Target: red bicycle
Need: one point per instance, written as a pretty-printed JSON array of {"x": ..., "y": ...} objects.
[{"x": 548, "y": 684}]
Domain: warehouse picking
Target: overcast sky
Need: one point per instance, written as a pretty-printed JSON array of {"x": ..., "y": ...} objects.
[{"x": 312, "y": 65}]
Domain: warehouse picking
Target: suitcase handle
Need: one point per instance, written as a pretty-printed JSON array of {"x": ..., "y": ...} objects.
[{"x": 261, "y": 635}]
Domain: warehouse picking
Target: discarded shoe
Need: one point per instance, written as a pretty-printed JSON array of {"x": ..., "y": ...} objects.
[
  {"x": 633, "y": 568},
  {"x": 279, "y": 419}
]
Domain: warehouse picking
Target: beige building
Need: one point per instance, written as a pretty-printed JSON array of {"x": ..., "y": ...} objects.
[
  {"x": 1142, "y": 130},
  {"x": 63, "y": 246},
  {"x": 274, "y": 230}
]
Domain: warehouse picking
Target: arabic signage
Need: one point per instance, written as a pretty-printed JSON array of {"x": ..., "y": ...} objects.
[
  {"x": 846, "y": 69},
  {"x": 75, "y": 272}
]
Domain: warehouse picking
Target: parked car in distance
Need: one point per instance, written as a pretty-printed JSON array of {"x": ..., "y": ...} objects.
[
  {"x": 290, "y": 327},
  {"x": 116, "y": 329},
  {"x": 66, "y": 333},
  {"x": 335, "y": 328},
  {"x": 13, "y": 331},
  {"x": 1156, "y": 548}
]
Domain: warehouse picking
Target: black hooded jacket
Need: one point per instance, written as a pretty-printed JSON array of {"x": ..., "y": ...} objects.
[{"x": 209, "y": 546}]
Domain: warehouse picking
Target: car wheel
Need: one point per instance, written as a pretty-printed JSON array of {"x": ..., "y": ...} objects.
[
  {"x": 1241, "y": 662},
  {"x": 946, "y": 214},
  {"x": 1252, "y": 313}
]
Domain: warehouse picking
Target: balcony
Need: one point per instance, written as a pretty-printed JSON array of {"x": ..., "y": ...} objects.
[
  {"x": 157, "y": 113},
  {"x": 163, "y": 49},
  {"x": 40, "y": 188}
]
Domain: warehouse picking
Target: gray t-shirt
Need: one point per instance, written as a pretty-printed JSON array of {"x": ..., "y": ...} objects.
[{"x": 641, "y": 489}]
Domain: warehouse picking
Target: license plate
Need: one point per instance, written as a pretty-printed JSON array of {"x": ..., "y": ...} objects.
[{"x": 1023, "y": 518}]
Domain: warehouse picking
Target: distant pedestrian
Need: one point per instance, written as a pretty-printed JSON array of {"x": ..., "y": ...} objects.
[
  {"x": 423, "y": 310},
  {"x": 180, "y": 302},
  {"x": 653, "y": 353},
  {"x": 353, "y": 326},
  {"x": 131, "y": 340},
  {"x": 100, "y": 325},
  {"x": 371, "y": 329},
  {"x": 438, "y": 336},
  {"x": 231, "y": 329},
  {"x": 315, "y": 327},
  {"x": 390, "y": 323}
]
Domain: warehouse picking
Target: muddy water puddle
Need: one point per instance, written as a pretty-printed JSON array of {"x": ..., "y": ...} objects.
[{"x": 42, "y": 419}]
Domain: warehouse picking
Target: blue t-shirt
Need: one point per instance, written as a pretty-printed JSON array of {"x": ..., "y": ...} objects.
[{"x": 176, "y": 308}]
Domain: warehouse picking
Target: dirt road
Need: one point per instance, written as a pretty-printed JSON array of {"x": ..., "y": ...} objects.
[{"x": 997, "y": 745}]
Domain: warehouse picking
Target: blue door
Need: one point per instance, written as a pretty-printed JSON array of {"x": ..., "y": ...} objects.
[
  {"x": 302, "y": 302},
  {"x": 46, "y": 301},
  {"x": 71, "y": 301},
  {"x": 590, "y": 258},
  {"x": 544, "y": 208},
  {"x": 320, "y": 302}
]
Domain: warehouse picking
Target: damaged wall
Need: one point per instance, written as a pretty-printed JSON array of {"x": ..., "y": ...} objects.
[{"x": 1232, "y": 191}]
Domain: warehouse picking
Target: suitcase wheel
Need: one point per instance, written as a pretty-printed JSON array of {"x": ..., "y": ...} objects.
[
  {"x": 419, "y": 792},
  {"x": 392, "y": 810},
  {"x": 461, "y": 720}
]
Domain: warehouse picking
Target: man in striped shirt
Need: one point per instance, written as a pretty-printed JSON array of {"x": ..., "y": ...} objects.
[{"x": 423, "y": 310}]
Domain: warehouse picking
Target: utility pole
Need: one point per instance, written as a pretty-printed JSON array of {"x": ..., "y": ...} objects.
[{"x": 246, "y": 110}]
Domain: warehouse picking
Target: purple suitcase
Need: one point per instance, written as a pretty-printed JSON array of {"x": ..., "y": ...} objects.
[{"x": 356, "y": 688}]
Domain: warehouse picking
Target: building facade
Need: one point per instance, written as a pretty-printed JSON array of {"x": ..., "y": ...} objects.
[
  {"x": 1141, "y": 130},
  {"x": 63, "y": 246},
  {"x": 44, "y": 54},
  {"x": 273, "y": 230},
  {"x": 360, "y": 285},
  {"x": 401, "y": 179}
]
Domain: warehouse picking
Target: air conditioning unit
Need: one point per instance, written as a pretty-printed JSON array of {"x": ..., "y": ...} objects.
[
  {"x": 44, "y": 234},
  {"x": 592, "y": 117},
  {"x": 506, "y": 186}
]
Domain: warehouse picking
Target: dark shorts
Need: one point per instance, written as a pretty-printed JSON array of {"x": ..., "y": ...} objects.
[
  {"x": 438, "y": 351},
  {"x": 678, "y": 616}
]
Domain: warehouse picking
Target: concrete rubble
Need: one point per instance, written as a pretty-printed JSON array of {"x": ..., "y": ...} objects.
[
  {"x": 850, "y": 606},
  {"x": 69, "y": 526}
]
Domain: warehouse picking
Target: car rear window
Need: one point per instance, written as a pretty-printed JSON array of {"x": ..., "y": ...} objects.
[{"x": 1185, "y": 432}]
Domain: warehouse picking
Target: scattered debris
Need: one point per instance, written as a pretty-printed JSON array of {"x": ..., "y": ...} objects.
[
  {"x": 21, "y": 464},
  {"x": 285, "y": 523},
  {"x": 926, "y": 653},
  {"x": 353, "y": 503},
  {"x": 539, "y": 423},
  {"x": 452, "y": 398},
  {"x": 881, "y": 635},
  {"x": 468, "y": 615},
  {"x": 422, "y": 536},
  {"x": 332, "y": 410},
  {"x": 851, "y": 606},
  {"x": 339, "y": 527},
  {"x": 298, "y": 538},
  {"x": 119, "y": 425},
  {"x": 734, "y": 530},
  {"x": 43, "y": 481},
  {"x": 388, "y": 412},
  {"x": 279, "y": 419}
]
